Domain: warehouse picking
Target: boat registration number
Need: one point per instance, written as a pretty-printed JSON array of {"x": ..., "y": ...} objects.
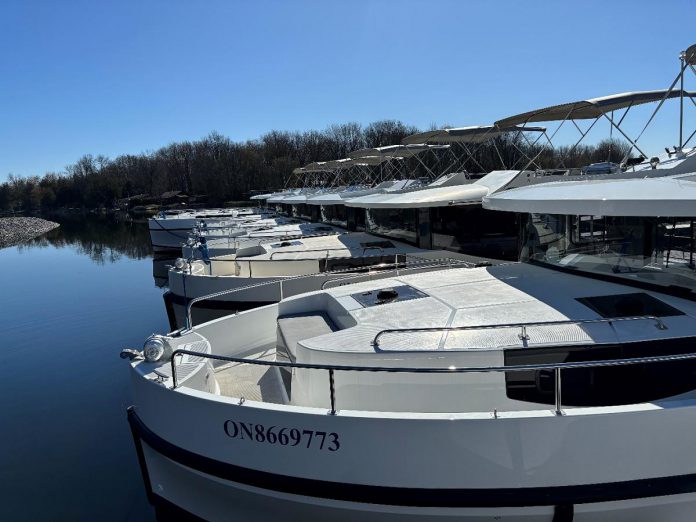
[{"x": 282, "y": 436}]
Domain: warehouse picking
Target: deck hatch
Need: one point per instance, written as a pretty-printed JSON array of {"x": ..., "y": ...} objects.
[
  {"x": 628, "y": 305},
  {"x": 393, "y": 294}
]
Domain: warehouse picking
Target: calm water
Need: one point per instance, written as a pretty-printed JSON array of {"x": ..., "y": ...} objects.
[{"x": 71, "y": 301}]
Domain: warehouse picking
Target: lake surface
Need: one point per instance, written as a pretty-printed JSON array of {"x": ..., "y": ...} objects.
[{"x": 72, "y": 300}]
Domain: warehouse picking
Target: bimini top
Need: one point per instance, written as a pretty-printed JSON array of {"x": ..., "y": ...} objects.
[
  {"x": 593, "y": 108},
  {"x": 340, "y": 197},
  {"x": 394, "y": 151},
  {"x": 474, "y": 134},
  {"x": 280, "y": 197},
  {"x": 690, "y": 55},
  {"x": 454, "y": 190},
  {"x": 265, "y": 196},
  {"x": 640, "y": 196}
]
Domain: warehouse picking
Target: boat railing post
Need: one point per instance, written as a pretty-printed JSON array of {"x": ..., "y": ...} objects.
[
  {"x": 189, "y": 324},
  {"x": 396, "y": 258},
  {"x": 281, "y": 289},
  {"x": 523, "y": 333},
  {"x": 332, "y": 392},
  {"x": 557, "y": 390},
  {"x": 174, "y": 379}
]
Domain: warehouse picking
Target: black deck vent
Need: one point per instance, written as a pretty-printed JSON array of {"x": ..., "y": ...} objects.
[
  {"x": 377, "y": 244},
  {"x": 388, "y": 295},
  {"x": 629, "y": 305}
]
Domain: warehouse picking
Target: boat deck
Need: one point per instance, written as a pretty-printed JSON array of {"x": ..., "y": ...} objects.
[{"x": 253, "y": 382}]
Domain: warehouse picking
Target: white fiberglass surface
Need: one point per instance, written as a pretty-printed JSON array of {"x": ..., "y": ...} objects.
[{"x": 492, "y": 296}]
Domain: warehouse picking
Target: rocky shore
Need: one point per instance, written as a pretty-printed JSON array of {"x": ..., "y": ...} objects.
[{"x": 18, "y": 229}]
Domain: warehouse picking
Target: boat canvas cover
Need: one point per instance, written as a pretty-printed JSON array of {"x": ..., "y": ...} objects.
[
  {"x": 460, "y": 191},
  {"x": 473, "y": 134},
  {"x": 394, "y": 151},
  {"x": 690, "y": 55},
  {"x": 592, "y": 108},
  {"x": 642, "y": 197},
  {"x": 263, "y": 196}
]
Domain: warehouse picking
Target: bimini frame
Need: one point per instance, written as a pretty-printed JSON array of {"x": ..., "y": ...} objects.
[
  {"x": 398, "y": 155},
  {"x": 604, "y": 108},
  {"x": 465, "y": 138}
]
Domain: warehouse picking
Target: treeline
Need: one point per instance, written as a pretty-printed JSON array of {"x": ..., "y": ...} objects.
[{"x": 224, "y": 170}]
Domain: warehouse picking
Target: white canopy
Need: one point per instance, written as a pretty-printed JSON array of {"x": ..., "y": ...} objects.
[
  {"x": 264, "y": 196},
  {"x": 404, "y": 151},
  {"x": 317, "y": 166},
  {"x": 593, "y": 108},
  {"x": 339, "y": 164},
  {"x": 654, "y": 196},
  {"x": 474, "y": 134},
  {"x": 690, "y": 55},
  {"x": 375, "y": 160},
  {"x": 457, "y": 190}
]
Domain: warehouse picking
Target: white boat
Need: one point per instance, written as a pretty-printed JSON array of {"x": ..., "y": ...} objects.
[
  {"x": 225, "y": 284},
  {"x": 557, "y": 388},
  {"x": 224, "y": 242},
  {"x": 170, "y": 230},
  {"x": 560, "y": 388}
]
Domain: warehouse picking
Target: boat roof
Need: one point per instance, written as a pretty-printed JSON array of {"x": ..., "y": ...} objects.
[
  {"x": 349, "y": 244},
  {"x": 471, "y": 297},
  {"x": 455, "y": 190},
  {"x": 340, "y": 197},
  {"x": 592, "y": 108},
  {"x": 643, "y": 196},
  {"x": 473, "y": 134},
  {"x": 279, "y": 197}
]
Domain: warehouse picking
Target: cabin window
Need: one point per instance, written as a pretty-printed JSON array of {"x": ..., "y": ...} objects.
[
  {"x": 355, "y": 218},
  {"x": 475, "y": 230},
  {"x": 334, "y": 214},
  {"x": 396, "y": 223},
  {"x": 655, "y": 251},
  {"x": 602, "y": 386}
]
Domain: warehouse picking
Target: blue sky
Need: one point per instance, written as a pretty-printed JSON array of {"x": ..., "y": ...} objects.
[{"x": 118, "y": 77}]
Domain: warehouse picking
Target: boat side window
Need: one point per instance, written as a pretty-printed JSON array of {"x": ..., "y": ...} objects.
[
  {"x": 334, "y": 214},
  {"x": 658, "y": 251},
  {"x": 474, "y": 230},
  {"x": 602, "y": 386},
  {"x": 397, "y": 223}
]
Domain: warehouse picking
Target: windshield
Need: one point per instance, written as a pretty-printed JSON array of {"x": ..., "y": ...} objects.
[{"x": 655, "y": 251}]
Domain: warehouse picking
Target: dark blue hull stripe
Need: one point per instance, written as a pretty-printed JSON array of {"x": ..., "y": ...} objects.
[{"x": 415, "y": 497}]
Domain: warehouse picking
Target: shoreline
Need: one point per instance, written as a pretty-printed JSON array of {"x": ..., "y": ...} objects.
[{"x": 15, "y": 230}]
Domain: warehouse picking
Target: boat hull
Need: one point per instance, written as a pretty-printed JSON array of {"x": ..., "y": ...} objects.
[
  {"x": 188, "y": 493},
  {"x": 614, "y": 463}
]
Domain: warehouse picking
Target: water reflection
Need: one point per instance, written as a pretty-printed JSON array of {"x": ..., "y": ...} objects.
[
  {"x": 160, "y": 270},
  {"x": 73, "y": 299},
  {"x": 103, "y": 238}
]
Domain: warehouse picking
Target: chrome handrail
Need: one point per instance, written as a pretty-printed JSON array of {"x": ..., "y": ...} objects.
[
  {"x": 401, "y": 265},
  {"x": 659, "y": 324},
  {"x": 446, "y": 263},
  {"x": 331, "y": 368},
  {"x": 327, "y": 250}
]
